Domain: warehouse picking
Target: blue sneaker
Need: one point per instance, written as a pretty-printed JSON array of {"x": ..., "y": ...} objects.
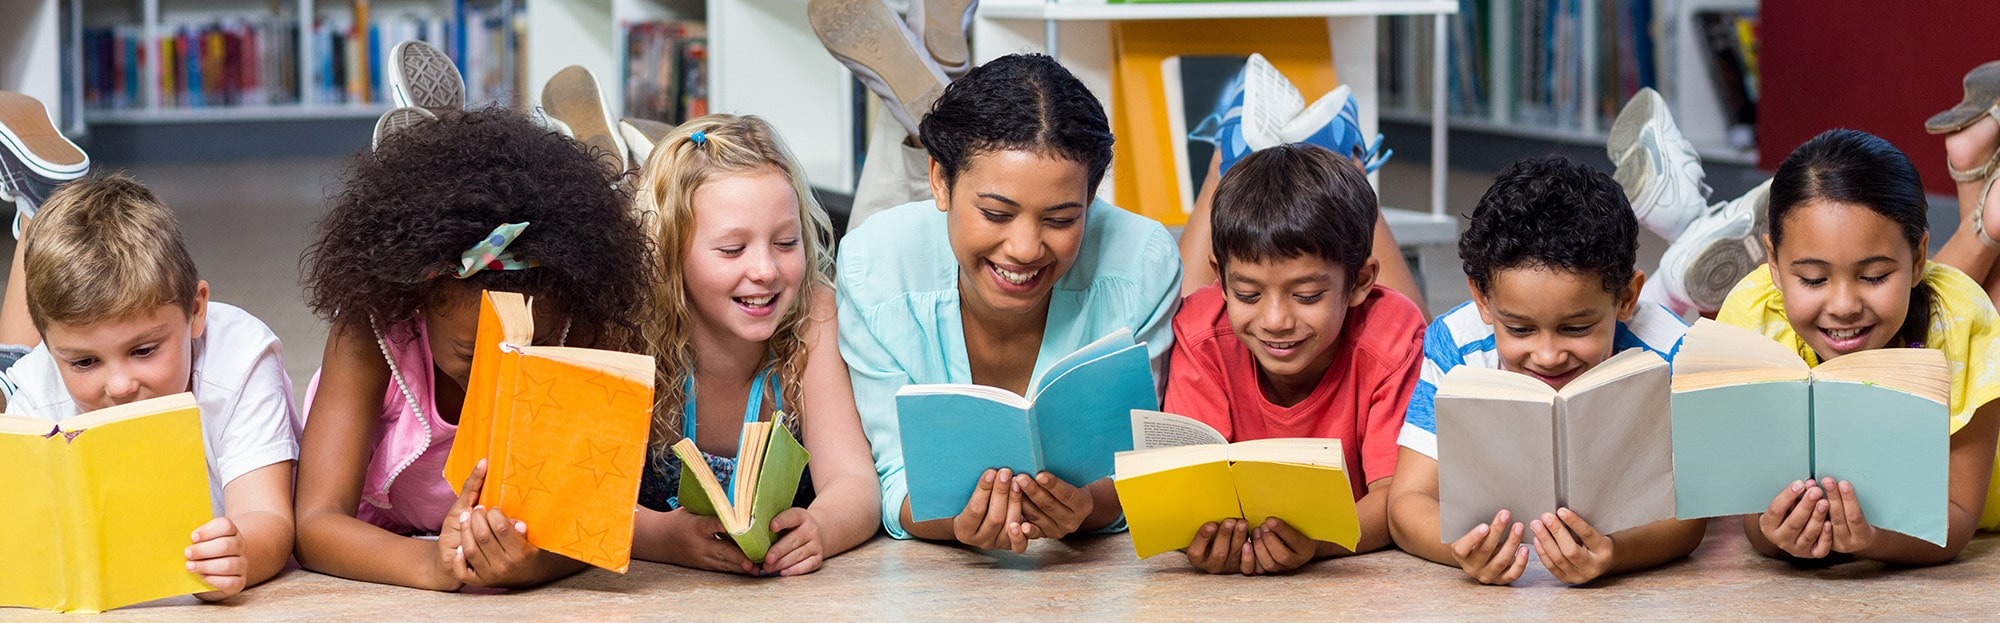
[{"x": 1261, "y": 109}]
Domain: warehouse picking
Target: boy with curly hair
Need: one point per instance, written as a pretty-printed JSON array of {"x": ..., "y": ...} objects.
[
  {"x": 122, "y": 317},
  {"x": 1549, "y": 257}
]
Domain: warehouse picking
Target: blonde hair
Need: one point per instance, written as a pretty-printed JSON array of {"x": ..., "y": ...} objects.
[
  {"x": 678, "y": 167},
  {"x": 105, "y": 247}
]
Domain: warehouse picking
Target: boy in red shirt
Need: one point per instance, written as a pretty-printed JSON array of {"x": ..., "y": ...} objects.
[{"x": 1296, "y": 340}]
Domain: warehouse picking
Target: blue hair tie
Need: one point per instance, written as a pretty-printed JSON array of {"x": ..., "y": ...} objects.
[{"x": 699, "y": 138}]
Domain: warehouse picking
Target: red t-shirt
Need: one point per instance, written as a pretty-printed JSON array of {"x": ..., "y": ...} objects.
[{"x": 1213, "y": 378}]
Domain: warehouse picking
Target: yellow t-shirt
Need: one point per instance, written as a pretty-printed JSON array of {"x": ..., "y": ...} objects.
[{"x": 1963, "y": 325}]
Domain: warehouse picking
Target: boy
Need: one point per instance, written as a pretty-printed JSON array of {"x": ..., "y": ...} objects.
[
  {"x": 1296, "y": 340},
  {"x": 123, "y": 317},
  {"x": 1549, "y": 257}
]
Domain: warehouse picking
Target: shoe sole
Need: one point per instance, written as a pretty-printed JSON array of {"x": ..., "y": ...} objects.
[
  {"x": 944, "y": 24},
  {"x": 396, "y": 120},
  {"x": 1715, "y": 271},
  {"x": 867, "y": 37},
  {"x": 425, "y": 77},
  {"x": 641, "y": 136},
  {"x": 1982, "y": 92},
  {"x": 572, "y": 96},
  {"x": 26, "y": 132}
]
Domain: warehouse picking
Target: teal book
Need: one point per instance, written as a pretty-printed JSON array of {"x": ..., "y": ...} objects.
[
  {"x": 1749, "y": 417},
  {"x": 1076, "y": 418}
]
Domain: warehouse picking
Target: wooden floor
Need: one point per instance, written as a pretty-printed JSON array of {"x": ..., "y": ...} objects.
[{"x": 1099, "y": 579}]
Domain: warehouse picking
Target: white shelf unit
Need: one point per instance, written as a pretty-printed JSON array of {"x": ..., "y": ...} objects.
[
  {"x": 1078, "y": 34},
  {"x": 31, "y": 51}
]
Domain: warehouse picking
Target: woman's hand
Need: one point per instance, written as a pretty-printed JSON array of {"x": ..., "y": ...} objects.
[
  {"x": 992, "y": 518},
  {"x": 1054, "y": 509}
]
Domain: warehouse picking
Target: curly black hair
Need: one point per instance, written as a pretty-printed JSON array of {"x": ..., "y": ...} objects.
[
  {"x": 426, "y": 193},
  {"x": 1552, "y": 212},
  {"x": 1018, "y": 102},
  {"x": 1290, "y": 201}
]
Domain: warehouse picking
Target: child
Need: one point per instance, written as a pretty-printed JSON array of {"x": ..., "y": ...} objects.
[
  {"x": 471, "y": 201},
  {"x": 745, "y": 325},
  {"x": 1847, "y": 273},
  {"x": 1298, "y": 340},
  {"x": 1549, "y": 257},
  {"x": 124, "y": 317}
]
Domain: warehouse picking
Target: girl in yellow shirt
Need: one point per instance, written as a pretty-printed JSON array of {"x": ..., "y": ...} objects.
[{"x": 1847, "y": 273}]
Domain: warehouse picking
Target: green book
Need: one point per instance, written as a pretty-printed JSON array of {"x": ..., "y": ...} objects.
[
  {"x": 769, "y": 464},
  {"x": 1750, "y": 417}
]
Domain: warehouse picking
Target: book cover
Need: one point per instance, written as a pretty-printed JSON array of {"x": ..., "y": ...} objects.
[
  {"x": 1169, "y": 491},
  {"x": 85, "y": 528},
  {"x": 759, "y": 490},
  {"x": 563, "y": 431},
  {"x": 1078, "y": 418}
]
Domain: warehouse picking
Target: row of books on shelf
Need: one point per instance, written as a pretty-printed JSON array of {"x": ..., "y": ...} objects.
[
  {"x": 223, "y": 63},
  {"x": 666, "y": 70}
]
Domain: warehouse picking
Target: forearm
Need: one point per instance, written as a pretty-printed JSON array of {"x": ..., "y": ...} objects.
[
  {"x": 1413, "y": 522},
  {"x": 1965, "y": 252},
  {"x": 1655, "y": 544},
  {"x": 847, "y": 513},
  {"x": 1105, "y": 507},
  {"x": 933, "y": 530},
  {"x": 1372, "y": 512},
  {"x": 1901, "y": 549},
  {"x": 337, "y": 544},
  {"x": 267, "y": 544}
]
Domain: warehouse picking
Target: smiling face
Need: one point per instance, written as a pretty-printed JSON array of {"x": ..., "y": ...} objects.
[
  {"x": 1289, "y": 313},
  {"x": 746, "y": 259},
  {"x": 1553, "y": 324},
  {"x": 120, "y": 360},
  {"x": 1846, "y": 273},
  {"x": 1015, "y": 219}
]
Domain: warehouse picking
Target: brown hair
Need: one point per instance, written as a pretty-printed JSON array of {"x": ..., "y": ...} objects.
[{"x": 105, "y": 247}]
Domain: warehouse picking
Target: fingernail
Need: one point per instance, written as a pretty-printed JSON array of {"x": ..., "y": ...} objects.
[
  {"x": 190, "y": 566},
  {"x": 1480, "y": 530},
  {"x": 1846, "y": 487},
  {"x": 465, "y": 516},
  {"x": 1798, "y": 486},
  {"x": 187, "y": 553},
  {"x": 194, "y": 536},
  {"x": 521, "y": 527},
  {"x": 1536, "y": 524}
]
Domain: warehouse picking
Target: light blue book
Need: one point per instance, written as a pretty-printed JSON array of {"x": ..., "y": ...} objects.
[
  {"x": 1078, "y": 417},
  {"x": 1749, "y": 417}
]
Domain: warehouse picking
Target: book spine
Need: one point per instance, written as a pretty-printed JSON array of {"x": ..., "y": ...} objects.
[{"x": 1561, "y": 414}]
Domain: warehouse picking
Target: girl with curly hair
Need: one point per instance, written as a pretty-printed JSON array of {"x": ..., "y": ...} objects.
[
  {"x": 744, "y": 324},
  {"x": 471, "y": 201}
]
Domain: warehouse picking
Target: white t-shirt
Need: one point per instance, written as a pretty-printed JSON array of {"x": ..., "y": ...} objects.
[{"x": 247, "y": 417}]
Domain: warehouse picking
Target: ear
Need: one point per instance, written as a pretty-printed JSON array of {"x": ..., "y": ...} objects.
[
  {"x": 198, "y": 321},
  {"x": 1923, "y": 254},
  {"x": 1364, "y": 280},
  {"x": 940, "y": 190},
  {"x": 1771, "y": 256},
  {"x": 1215, "y": 267},
  {"x": 1479, "y": 301},
  {"x": 1628, "y": 296}
]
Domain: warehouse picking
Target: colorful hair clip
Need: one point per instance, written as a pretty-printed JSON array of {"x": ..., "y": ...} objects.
[{"x": 699, "y": 138}]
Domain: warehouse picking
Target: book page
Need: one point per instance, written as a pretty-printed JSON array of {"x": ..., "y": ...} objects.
[
  {"x": 1493, "y": 454},
  {"x": 1711, "y": 346},
  {"x": 1917, "y": 371},
  {"x": 1158, "y": 429},
  {"x": 1084, "y": 417},
  {"x": 130, "y": 525},
  {"x": 1894, "y": 447},
  {"x": 1736, "y": 446},
  {"x": 1617, "y": 447},
  {"x": 29, "y": 524}
]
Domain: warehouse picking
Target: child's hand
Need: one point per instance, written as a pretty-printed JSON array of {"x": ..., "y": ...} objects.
[
  {"x": 800, "y": 550},
  {"x": 451, "y": 533},
  {"x": 1851, "y": 531},
  {"x": 1218, "y": 548},
  {"x": 217, "y": 556},
  {"x": 1796, "y": 521},
  {"x": 1278, "y": 548},
  {"x": 1572, "y": 551},
  {"x": 992, "y": 518},
  {"x": 494, "y": 551},
  {"x": 1053, "y": 508},
  {"x": 1484, "y": 555},
  {"x": 706, "y": 545}
]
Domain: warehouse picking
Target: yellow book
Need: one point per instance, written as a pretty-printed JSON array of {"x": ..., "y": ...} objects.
[
  {"x": 98, "y": 509},
  {"x": 1169, "y": 491}
]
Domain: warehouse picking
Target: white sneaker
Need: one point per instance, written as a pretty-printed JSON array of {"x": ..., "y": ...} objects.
[
  {"x": 572, "y": 97},
  {"x": 423, "y": 76},
  {"x": 1658, "y": 168},
  {"x": 1721, "y": 245},
  {"x": 395, "y": 120}
]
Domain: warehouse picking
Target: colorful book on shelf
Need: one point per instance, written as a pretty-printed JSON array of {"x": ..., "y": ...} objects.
[
  {"x": 1185, "y": 474},
  {"x": 563, "y": 431},
  {"x": 1750, "y": 418},
  {"x": 1600, "y": 446},
  {"x": 1078, "y": 417},
  {"x": 769, "y": 465},
  {"x": 99, "y": 507}
]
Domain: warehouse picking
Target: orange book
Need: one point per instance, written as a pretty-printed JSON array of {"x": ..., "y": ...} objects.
[{"x": 563, "y": 431}]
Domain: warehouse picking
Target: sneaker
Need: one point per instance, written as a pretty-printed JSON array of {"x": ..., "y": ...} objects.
[
  {"x": 572, "y": 97},
  {"x": 865, "y": 36},
  {"x": 641, "y": 135},
  {"x": 942, "y": 26},
  {"x": 1658, "y": 167},
  {"x": 35, "y": 158},
  {"x": 1261, "y": 109},
  {"x": 1721, "y": 245},
  {"x": 423, "y": 76},
  {"x": 397, "y": 119}
]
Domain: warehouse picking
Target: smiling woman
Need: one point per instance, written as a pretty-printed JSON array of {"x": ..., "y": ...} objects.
[{"x": 1010, "y": 266}]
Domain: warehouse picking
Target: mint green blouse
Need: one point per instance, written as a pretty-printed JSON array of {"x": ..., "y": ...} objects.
[{"x": 900, "y": 324}]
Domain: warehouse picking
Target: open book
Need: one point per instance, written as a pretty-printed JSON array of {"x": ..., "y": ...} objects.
[
  {"x": 563, "y": 431},
  {"x": 1185, "y": 475},
  {"x": 1079, "y": 417},
  {"x": 95, "y": 511},
  {"x": 1598, "y": 447},
  {"x": 1750, "y": 418},
  {"x": 769, "y": 463}
]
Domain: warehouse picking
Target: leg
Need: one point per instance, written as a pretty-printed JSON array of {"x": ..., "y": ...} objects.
[
  {"x": 15, "y": 325},
  {"x": 1395, "y": 272},
  {"x": 895, "y": 172},
  {"x": 1195, "y": 269},
  {"x": 1967, "y": 150}
]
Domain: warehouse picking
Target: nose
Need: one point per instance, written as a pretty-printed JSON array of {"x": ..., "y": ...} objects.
[
  {"x": 1844, "y": 301},
  {"x": 1546, "y": 356},
  {"x": 121, "y": 386},
  {"x": 1024, "y": 241},
  {"x": 1275, "y": 317},
  {"x": 763, "y": 268}
]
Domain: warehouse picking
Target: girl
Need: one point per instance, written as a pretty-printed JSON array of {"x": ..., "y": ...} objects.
[
  {"x": 480, "y": 200},
  {"x": 744, "y": 327},
  {"x": 1009, "y": 267},
  {"x": 1847, "y": 273}
]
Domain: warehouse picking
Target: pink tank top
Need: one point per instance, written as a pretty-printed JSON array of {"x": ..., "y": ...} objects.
[{"x": 404, "y": 490}]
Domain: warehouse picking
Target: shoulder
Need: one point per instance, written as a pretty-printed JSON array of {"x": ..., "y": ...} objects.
[
  {"x": 1386, "y": 328},
  {"x": 1653, "y": 328},
  {"x": 1754, "y": 301},
  {"x": 902, "y": 249},
  {"x": 1956, "y": 297},
  {"x": 230, "y": 325},
  {"x": 237, "y": 351},
  {"x": 1202, "y": 318},
  {"x": 1459, "y": 337},
  {"x": 1121, "y": 245},
  {"x": 35, "y": 388}
]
